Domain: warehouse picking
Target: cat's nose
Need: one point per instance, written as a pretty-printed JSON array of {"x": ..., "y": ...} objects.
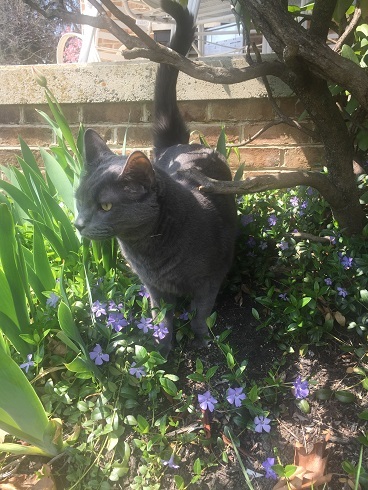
[{"x": 79, "y": 224}]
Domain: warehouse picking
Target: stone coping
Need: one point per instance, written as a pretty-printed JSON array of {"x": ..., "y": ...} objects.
[{"x": 120, "y": 81}]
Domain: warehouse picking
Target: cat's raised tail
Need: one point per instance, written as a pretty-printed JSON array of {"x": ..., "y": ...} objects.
[{"x": 169, "y": 127}]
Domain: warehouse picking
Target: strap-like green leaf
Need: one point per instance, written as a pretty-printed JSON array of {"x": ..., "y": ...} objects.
[
  {"x": 8, "y": 259},
  {"x": 59, "y": 179},
  {"x": 19, "y": 400},
  {"x": 42, "y": 265},
  {"x": 69, "y": 327}
]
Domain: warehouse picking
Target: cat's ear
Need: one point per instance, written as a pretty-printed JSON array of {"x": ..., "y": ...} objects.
[
  {"x": 94, "y": 148},
  {"x": 139, "y": 168}
]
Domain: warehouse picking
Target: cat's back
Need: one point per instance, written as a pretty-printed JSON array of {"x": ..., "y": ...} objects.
[
  {"x": 204, "y": 212},
  {"x": 177, "y": 161}
]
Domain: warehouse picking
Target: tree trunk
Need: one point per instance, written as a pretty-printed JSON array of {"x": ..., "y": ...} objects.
[
  {"x": 314, "y": 93},
  {"x": 338, "y": 146}
]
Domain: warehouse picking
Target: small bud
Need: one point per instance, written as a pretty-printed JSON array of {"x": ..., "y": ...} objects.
[{"x": 40, "y": 79}]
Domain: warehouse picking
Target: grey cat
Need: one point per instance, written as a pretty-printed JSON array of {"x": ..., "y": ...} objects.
[{"x": 178, "y": 240}]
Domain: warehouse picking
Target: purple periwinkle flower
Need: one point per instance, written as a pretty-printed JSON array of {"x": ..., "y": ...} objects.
[
  {"x": 283, "y": 296},
  {"x": 342, "y": 292},
  {"x": 304, "y": 204},
  {"x": 267, "y": 465},
  {"x": 98, "y": 356},
  {"x": 207, "y": 401},
  {"x": 28, "y": 364},
  {"x": 262, "y": 424},
  {"x": 263, "y": 245},
  {"x": 116, "y": 321},
  {"x": 235, "y": 396},
  {"x": 99, "y": 309},
  {"x": 52, "y": 300},
  {"x": 246, "y": 219},
  {"x": 184, "y": 315},
  {"x": 113, "y": 306},
  {"x": 170, "y": 462},
  {"x": 138, "y": 372},
  {"x": 143, "y": 292},
  {"x": 283, "y": 245},
  {"x": 328, "y": 281},
  {"x": 160, "y": 331},
  {"x": 251, "y": 242},
  {"x": 346, "y": 262},
  {"x": 294, "y": 201},
  {"x": 272, "y": 219},
  {"x": 145, "y": 324},
  {"x": 301, "y": 388}
]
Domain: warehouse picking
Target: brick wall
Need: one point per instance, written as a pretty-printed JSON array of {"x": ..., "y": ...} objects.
[{"x": 117, "y": 97}]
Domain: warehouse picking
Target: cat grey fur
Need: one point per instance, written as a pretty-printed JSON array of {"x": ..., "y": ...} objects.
[{"x": 178, "y": 240}]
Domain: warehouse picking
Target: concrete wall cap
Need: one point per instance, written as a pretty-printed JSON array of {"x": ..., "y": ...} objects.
[{"x": 120, "y": 81}]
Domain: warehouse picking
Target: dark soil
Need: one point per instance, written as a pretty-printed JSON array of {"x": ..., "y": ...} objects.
[{"x": 327, "y": 366}]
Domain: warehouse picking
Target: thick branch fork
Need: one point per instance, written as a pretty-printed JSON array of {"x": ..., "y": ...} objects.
[{"x": 272, "y": 180}]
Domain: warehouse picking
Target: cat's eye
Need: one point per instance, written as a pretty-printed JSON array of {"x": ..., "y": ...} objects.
[{"x": 106, "y": 206}]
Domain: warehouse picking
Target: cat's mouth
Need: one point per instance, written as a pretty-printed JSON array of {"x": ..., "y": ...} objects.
[{"x": 95, "y": 234}]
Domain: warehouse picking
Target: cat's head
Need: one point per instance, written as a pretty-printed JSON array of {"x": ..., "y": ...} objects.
[{"x": 117, "y": 195}]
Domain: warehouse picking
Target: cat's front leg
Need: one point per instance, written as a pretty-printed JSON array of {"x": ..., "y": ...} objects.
[
  {"x": 164, "y": 334},
  {"x": 202, "y": 304}
]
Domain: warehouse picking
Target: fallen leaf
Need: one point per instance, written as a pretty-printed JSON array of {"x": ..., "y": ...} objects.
[
  {"x": 27, "y": 482},
  {"x": 310, "y": 471},
  {"x": 339, "y": 317}
]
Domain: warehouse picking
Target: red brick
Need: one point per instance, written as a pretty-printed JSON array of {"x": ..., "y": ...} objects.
[
  {"x": 70, "y": 111},
  {"x": 8, "y": 158},
  {"x": 33, "y": 136},
  {"x": 304, "y": 157},
  {"x": 196, "y": 112},
  {"x": 291, "y": 106},
  {"x": 10, "y": 114},
  {"x": 139, "y": 136},
  {"x": 191, "y": 111},
  {"x": 113, "y": 113},
  {"x": 280, "y": 134},
  {"x": 241, "y": 110},
  {"x": 211, "y": 133},
  {"x": 257, "y": 158},
  {"x": 107, "y": 133},
  {"x": 32, "y": 116}
]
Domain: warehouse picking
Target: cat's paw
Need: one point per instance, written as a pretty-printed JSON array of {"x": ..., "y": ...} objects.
[{"x": 199, "y": 343}]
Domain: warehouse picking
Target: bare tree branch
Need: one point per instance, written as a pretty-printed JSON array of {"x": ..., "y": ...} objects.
[
  {"x": 255, "y": 135},
  {"x": 292, "y": 42},
  {"x": 283, "y": 118},
  {"x": 203, "y": 71},
  {"x": 100, "y": 22},
  {"x": 352, "y": 25},
  {"x": 129, "y": 22},
  {"x": 276, "y": 122},
  {"x": 288, "y": 39},
  {"x": 281, "y": 179}
]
